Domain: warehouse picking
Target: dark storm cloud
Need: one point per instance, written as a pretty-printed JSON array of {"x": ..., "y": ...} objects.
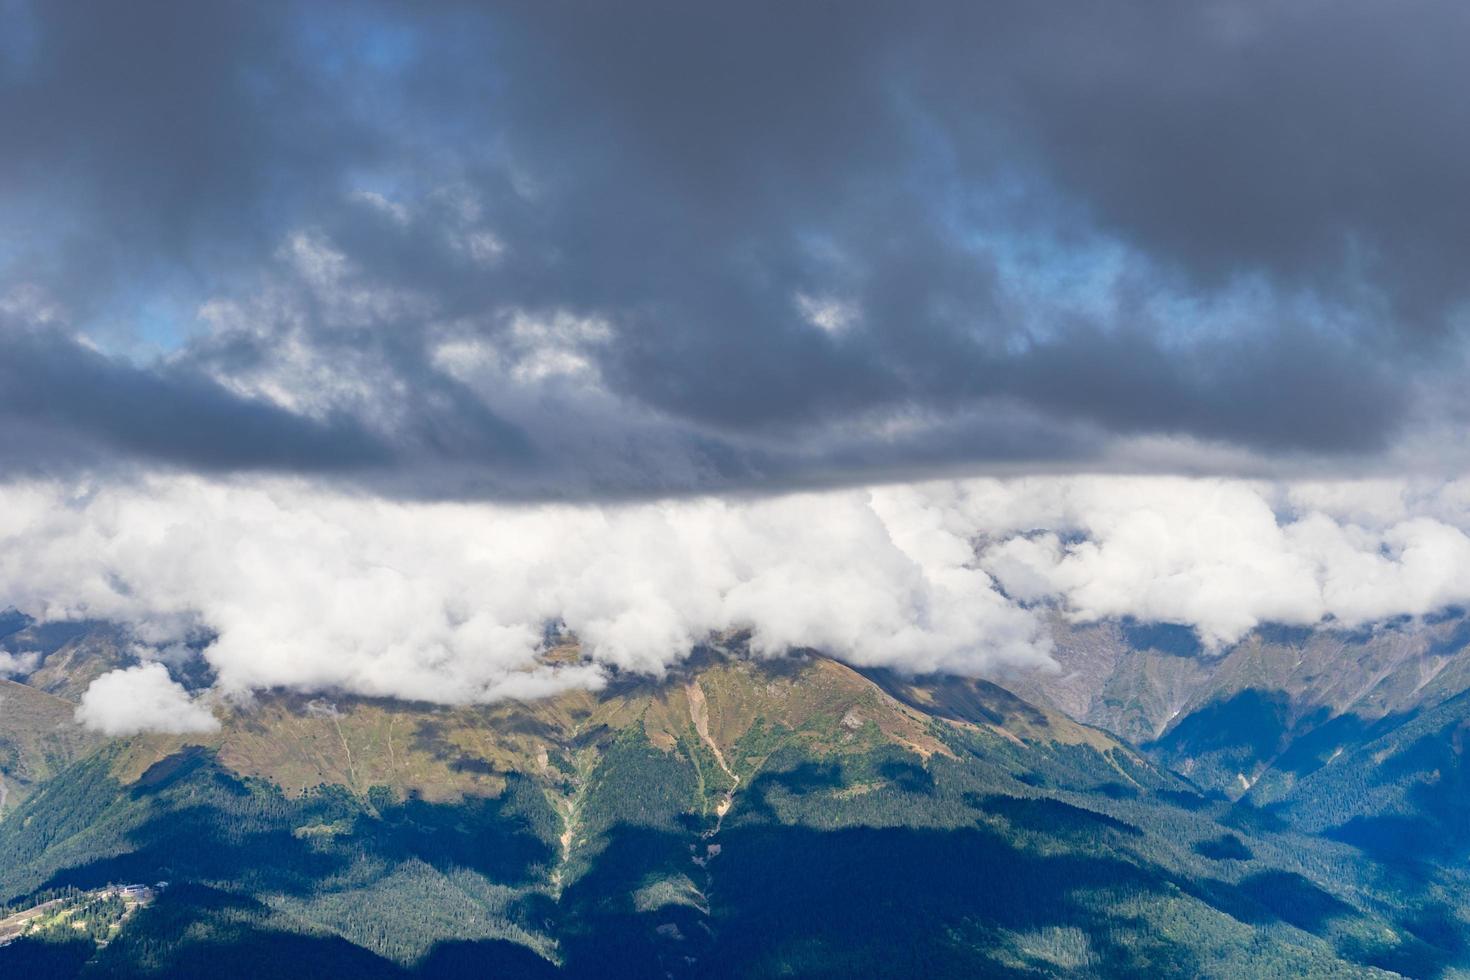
[
  {"x": 1278, "y": 190},
  {"x": 58, "y": 398},
  {"x": 148, "y": 139}
]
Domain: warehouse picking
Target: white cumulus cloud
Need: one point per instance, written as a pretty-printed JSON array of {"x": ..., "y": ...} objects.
[
  {"x": 448, "y": 602},
  {"x": 18, "y": 663},
  {"x": 315, "y": 590},
  {"x": 1225, "y": 556},
  {"x": 142, "y": 699}
]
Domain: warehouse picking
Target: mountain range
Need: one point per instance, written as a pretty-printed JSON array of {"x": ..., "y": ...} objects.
[{"x": 1291, "y": 805}]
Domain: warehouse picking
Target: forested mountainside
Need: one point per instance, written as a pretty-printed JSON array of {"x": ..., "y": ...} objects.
[{"x": 748, "y": 817}]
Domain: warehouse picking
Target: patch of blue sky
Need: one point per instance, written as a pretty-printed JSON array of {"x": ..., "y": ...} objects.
[
  {"x": 20, "y": 38},
  {"x": 339, "y": 41},
  {"x": 1251, "y": 305},
  {"x": 163, "y": 326},
  {"x": 1051, "y": 265},
  {"x": 1055, "y": 277},
  {"x": 1076, "y": 275},
  {"x": 1056, "y": 267},
  {"x": 145, "y": 323}
]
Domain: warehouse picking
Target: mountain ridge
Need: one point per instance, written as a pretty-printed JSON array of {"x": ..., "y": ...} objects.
[{"x": 657, "y": 821}]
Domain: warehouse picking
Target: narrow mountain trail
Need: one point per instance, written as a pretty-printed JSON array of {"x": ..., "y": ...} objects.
[
  {"x": 351, "y": 769},
  {"x": 699, "y": 714},
  {"x": 392, "y": 756}
]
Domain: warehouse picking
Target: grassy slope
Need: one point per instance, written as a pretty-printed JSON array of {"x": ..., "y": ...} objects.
[{"x": 38, "y": 737}]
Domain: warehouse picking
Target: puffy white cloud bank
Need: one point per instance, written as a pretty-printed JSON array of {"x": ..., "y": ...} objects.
[
  {"x": 142, "y": 699},
  {"x": 311, "y": 589},
  {"x": 1225, "y": 556}
]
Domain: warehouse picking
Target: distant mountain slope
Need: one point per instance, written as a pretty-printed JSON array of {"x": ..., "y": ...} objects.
[
  {"x": 68, "y": 656},
  {"x": 739, "y": 818},
  {"x": 1260, "y": 715},
  {"x": 38, "y": 737},
  {"x": 38, "y": 733}
]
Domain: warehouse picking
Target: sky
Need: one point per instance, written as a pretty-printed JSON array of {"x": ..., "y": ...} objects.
[{"x": 453, "y": 291}]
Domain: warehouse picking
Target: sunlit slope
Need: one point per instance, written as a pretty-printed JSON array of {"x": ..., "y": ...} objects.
[
  {"x": 38, "y": 737},
  {"x": 742, "y": 709}
]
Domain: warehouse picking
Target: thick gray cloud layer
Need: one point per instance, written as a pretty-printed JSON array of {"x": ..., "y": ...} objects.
[{"x": 565, "y": 249}]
